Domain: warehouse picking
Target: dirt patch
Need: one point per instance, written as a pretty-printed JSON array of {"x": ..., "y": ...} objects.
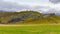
[{"x": 27, "y": 24}]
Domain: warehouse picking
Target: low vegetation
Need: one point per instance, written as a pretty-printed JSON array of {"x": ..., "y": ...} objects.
[
  {"x": 42, "y": 29},
  {"x": 28, "y": 17}
]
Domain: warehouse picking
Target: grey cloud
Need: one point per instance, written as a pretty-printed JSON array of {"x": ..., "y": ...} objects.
[
  {"x": 52, "y": 10},
  {"x": 41, "y": 7},
  {"x": 55, "y": 1},
  {"x": 12, "y": 6},
  {"x": 16, "y": 7}
]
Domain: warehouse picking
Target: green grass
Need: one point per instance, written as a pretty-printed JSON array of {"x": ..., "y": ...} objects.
[{"x": 43, "y": 29}]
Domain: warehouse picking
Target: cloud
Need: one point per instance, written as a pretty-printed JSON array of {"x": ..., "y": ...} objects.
[
  {"x": 29, "y": 2},
  {"x": 41, "y": 6},
  {"x": 55, "y": 1},
  {"x": 12, "y": 6},
  {"x": 52, "y": 10}
]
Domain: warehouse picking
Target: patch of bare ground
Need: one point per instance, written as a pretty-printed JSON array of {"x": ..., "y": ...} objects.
[
  {"x": 34, "y": 31},
  {"x": 53, "y": 33},
  {"x": 26, "y": 24}
]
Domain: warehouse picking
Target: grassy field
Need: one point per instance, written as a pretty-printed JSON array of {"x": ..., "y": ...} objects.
[{"x": 39, "y": 29}]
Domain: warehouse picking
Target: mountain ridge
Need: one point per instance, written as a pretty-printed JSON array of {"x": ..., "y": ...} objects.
[{"x": 27, "y": 17}]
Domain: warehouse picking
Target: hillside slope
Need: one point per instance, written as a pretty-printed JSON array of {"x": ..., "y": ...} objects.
[{"x": 28, "y": 17}]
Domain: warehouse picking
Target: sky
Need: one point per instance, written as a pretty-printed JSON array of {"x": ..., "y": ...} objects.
[{"x": 39, "y": 5}]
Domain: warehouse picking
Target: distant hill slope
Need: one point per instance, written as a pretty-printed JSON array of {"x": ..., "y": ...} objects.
[{"x": 28, "y": 17}]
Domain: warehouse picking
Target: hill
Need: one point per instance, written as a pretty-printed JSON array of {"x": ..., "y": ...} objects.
[{"x": 28, "y": 17}]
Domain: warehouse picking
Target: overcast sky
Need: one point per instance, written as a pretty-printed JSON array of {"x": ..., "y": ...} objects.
[{"x": 40, "y": 5}]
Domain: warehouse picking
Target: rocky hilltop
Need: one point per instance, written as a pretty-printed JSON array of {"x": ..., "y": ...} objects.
[{"x": 28, "y": 17}]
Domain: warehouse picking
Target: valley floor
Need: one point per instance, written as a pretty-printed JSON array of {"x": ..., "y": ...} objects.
[
  {"x": 30, "y": 29},
  {"x": 27, "y": 24}
]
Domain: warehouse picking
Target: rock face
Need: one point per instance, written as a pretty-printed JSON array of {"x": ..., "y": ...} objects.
[
  {"x": 26, "y": 17},
  {"x": 0, "y": 21},
  {"x": 14, "y": 20}
]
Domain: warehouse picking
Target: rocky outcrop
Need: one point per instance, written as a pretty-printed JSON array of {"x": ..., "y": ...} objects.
[{"x": 27, "y": 16}]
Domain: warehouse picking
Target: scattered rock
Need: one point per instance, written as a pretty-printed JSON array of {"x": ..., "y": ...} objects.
[{"x": 14, "y": 20}]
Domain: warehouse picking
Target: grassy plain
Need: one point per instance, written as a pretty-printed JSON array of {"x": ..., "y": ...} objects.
[{"x": 37, "y": 29}]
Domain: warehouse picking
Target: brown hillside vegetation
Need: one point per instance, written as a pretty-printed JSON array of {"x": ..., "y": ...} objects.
[{"x": 28, "y": 17}]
